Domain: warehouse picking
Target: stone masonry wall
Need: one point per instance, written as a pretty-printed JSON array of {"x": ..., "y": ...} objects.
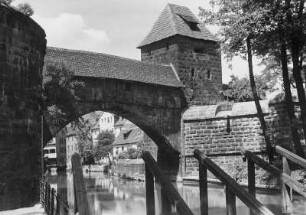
[
  {"x": 222, "y": 133},
  {"x": 197, "y": 63},
  {"x": 22, "y": 49}
]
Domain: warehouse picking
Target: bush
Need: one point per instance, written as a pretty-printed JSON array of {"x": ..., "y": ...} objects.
[{"x": 131, "y": 153}]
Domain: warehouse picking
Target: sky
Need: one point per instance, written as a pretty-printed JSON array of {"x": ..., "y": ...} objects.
[{"x": 111, "y": 26}]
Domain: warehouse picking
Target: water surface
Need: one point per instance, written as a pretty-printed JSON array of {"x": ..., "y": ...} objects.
[{"x": 113, "y": 196}]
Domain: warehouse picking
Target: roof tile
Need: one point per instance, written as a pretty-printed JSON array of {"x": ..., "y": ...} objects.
[
  {"x": 98, "y": 65},
  {"x": 174, "y": 21}
]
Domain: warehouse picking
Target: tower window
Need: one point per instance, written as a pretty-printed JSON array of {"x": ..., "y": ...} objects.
[
  {"x": 167, "y": 46},
  {"x": 192, "y": 73},
  {"x": 208, "y": 74},
  {"x": 191, "y": 22}
]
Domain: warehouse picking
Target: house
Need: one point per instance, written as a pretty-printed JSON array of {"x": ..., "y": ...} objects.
[
  {"x": 128, "y": 138},
  {"x": 105, "y": 121},
  {"x": 71, "y": 144}
]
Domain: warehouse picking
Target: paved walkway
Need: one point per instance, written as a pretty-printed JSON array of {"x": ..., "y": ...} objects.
[{"x": 35, "y": 210}]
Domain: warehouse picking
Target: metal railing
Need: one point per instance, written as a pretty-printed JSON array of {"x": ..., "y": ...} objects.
[
  {"x": 51, "y": 201},
  {"x": 55, "y": 205},
  {"x": 170, "y": 196},
  {"x": 232, "y": 188}
]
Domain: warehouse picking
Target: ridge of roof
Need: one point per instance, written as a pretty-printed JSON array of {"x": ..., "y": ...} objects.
[
  {"x": 172, "y": 21},
  {"x": 99, "y": 65}
]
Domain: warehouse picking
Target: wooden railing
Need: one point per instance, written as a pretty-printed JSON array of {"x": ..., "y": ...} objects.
[
  {"x": 170, "y": 196},
  {"x": 80, "y": 194},
  {"x": 51, "y": 201},
  {"x": 288, "y": 183},
  {"x": 232, "y": 188}
]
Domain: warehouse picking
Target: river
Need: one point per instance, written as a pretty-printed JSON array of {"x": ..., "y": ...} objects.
[{"x": 114, "y": 196}]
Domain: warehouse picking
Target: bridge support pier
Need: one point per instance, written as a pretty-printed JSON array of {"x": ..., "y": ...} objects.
[{"x": 169, "y": 161}]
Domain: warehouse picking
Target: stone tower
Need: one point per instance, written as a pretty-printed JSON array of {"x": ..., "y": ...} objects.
[{"x": 178, "y": 38}]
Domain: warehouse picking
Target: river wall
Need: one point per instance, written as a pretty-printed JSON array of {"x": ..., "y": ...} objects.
[
  {"x": 129, "y": 168},
  {"x": 22, "y": 50},
  {"x": 222, "y": 130}
]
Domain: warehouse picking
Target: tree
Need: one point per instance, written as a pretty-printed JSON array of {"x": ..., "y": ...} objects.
[
  {"x": 104, "y": 145},
  {"x": 237, "y": 20},
  {"x": 24, "y": 8},
  {"x": 58, "y": 95},
  {"x": 239, "y": 90},
  {"x": 269, "y": 28}
]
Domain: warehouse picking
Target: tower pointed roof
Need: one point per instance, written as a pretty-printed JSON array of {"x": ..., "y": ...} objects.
[{"x": 177, "y": 20}]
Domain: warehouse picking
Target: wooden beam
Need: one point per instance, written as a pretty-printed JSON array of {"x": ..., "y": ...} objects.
[
  {"x": 203, "y": 190},
  {"x": 291, "y": 156},
  {"x": 166, "y": 185},
  {"x": 294, "y": 184},
  {"x": 232, "y": 185},
  {"x": 79, "y": 185},
  {"x": 286, "y": 191},
  {"x": 150, "y": 199},
  {"x": 230, "y": 202}
]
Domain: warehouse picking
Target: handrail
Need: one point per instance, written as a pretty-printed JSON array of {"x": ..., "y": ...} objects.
[
  {"x": 291, "y": 156},
  {"x": 171, "y": 193},
  {"x": 232, "y": 188},
  {"x": 50, "y": 200},
  {"x": 294, "y": 184},
  {"x": 82, "y": 205}
]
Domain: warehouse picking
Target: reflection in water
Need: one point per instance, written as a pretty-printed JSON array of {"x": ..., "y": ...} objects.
[{"x": 112, "y": 196}]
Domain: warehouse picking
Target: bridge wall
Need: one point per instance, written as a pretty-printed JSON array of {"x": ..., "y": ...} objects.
[{"x": 22, "y": 49}]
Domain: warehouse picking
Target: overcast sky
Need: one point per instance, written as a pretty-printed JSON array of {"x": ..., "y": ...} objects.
[{"x": 109, "y": 26}]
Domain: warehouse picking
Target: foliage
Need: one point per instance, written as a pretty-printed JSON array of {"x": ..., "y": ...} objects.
[
  {"x": 6, "y": 2},
  {"x": 24, "y": 8},
  {"x": 131, "y": 153},
  {"x": 59, "y": 95},
  {"x": 239, "y": 90},
  {"x": 104, "y": 144},
  {"x": 265, "y": 28}
]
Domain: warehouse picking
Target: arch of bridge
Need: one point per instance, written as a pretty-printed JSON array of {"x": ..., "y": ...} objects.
[{"x": 149, "y": 95}]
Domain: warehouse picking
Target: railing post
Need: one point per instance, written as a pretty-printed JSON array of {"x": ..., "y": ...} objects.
[
  {"x": 165, "y": 203},
  {"x": 57, "y": 211},
  {"x": 286, "y": 190},
  {"x": 79, "y": 186},
  {"x": 150, "y": 201},
  {"x": 52, "y": 202},
  {"x": 46, "y": 197},
  {"x": 251, "y": 180},
  {"x": 203, "y": 189},
  {"x": 230, "y": 202}
]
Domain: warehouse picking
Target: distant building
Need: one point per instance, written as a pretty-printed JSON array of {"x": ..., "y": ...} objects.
[
  {"x": 71, "y": 145},
  {"x": 50, "y": 152},
  {"x": 128, "y": 138},
  {"x": 105, "y": 122},
  {"x": 61, "y": 148}
]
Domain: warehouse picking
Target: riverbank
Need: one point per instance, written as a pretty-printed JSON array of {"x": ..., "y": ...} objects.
[{"x": 35, "y": 210}]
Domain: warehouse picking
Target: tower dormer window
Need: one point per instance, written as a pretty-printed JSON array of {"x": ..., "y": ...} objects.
[{"x": 191, "y": 21}]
